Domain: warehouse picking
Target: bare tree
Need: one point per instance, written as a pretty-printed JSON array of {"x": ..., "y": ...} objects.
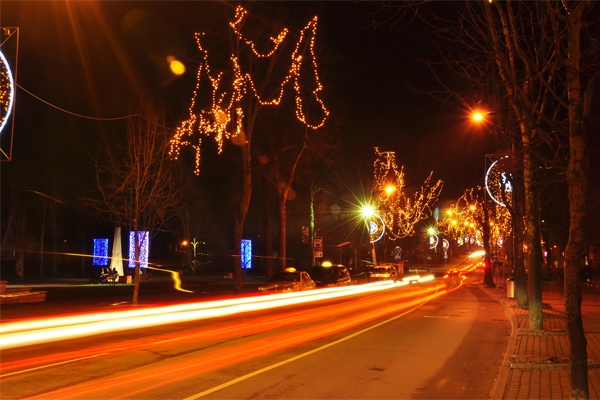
[
  {"x": 285, "y": 157},
  {"x": 135, "y": 179},
  {"x": 579, "y": 87},
  {"x": 539, "y": 59},
  {"x": 256, "y": 77}
]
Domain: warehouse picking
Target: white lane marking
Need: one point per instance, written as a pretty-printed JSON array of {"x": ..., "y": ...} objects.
[
  {"x": 51, "y": 365},
  {"x": 289, "y": 360}
]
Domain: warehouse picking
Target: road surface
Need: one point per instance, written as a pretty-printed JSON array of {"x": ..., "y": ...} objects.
[{"x": 427, "y": 340}]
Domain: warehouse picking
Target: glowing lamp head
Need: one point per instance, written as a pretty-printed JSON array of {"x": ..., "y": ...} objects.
[
  {"x": 367, "y": 211},
  {"x": 326, "y": 264},
  {"x": 478, "y": 117},
  {"x": 176, "y": 66},
  {"x": 389, "y": 189},
  {"x": 431, "y": 231},
  {"x": 290, "y": 269},
  {"x": 184, "y": 243}
]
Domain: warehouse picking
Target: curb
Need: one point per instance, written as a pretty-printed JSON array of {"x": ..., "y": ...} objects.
[{"x": 497, "y": 392}]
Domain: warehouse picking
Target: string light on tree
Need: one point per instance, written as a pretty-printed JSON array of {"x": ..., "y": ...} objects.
[
  {"x": 400, "y": 210},
  {"x": 464, "y": 220},
  {"x": 223, "y": 117}
]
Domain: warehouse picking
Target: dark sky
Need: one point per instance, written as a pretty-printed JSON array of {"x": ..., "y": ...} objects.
[{"x": 98, "y": 58}]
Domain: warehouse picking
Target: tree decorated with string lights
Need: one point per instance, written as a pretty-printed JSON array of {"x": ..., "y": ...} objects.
[
  {"x": 400, "y": 208},
  {"x": 463, "y": 221},
  {"x": 253, "y": 79}
]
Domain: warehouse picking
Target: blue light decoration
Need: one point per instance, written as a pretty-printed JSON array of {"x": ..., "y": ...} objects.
[
  {"x": 144, "y": 241},
  {"x": 100, "y": 252},
  {"x": 246, "y": 253}
]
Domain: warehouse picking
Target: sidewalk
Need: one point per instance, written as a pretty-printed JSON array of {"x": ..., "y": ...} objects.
[{"x": 537, "y": 362}]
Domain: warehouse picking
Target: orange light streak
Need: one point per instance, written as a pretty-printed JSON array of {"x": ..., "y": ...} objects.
[
  {"x": 46, "y": 330},
  {"x": 259, "y": 325},
  {"x": 146, "y": 379},
  {"x": 175, "y": 277}
]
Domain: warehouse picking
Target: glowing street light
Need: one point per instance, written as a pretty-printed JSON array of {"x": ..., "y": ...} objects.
[
  {"x": 367, "y": 211},
  {"x": 478, "y": 117},
  {"x": 375, "y": 226}
]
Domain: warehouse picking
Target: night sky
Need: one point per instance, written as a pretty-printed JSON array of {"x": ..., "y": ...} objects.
[{"x": 98, "y": 59}]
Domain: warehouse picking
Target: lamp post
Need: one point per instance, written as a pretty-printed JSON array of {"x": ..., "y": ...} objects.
[
  {"x": 487, "y": 272},
  {"x": 479, "y": 117}
]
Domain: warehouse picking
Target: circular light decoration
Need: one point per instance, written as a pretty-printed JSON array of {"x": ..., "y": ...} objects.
[
  {"x": 496, "y": 182},
  {"x": 376, "y": 228},
  {"x": 459, "y": 241},
  {"x": 433, "y": 241},
  {"x": 445, "y": 244},
  {"x": 7, "y": 91}
]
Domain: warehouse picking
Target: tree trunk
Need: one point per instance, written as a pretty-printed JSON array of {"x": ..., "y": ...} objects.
[
  {"x": 487, "y": 273},
  {"x": 532, "y": 225},
  {"x": 521, "y": 295},
  {"x": 136, "y": 270},
  {"x": 20, "y": 244},
  {"x": 282, "y": 231},
  {"x": 42, "y": 238},
  {"x": 240, "y": 217},
  {"x": 577, "y": 184},
  {"x": 268, "y": 237}
]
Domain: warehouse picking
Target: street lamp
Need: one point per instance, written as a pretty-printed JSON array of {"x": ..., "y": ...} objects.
[{"x": 479, "y": 117}]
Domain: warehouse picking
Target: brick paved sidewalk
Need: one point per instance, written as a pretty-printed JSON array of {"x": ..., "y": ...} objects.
[{"x": 537, "y": 362}]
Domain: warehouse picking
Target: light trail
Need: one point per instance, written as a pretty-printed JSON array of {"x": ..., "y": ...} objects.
[
  {"x": 104, "y": 316},
  {"x": 134, "y": 383},
  {"x": 259, "y": 325},
  {"x": 46, "y": 330},
  {"x": 174, "y": 277}
]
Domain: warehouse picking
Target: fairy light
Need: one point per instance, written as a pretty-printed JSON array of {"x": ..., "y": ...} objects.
[
  {"x": 400, "y": 210},
  {"x": 143, "y": 239},
  {"x": 240, "y": 14},
  {"x": 223, "y": 118},
  {"x": 464, "y": 220},
  {"x": 7, "y": 91},
  {"x": 100, "y": 252}
]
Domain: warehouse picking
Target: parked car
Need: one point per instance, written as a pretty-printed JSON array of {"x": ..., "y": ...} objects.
[
  {"x": 328, "y": 274},
  {"x": 382, "y": 272},
  {"x": 289, "y": 280}
]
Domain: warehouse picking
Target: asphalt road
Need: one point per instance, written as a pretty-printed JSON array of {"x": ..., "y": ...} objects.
[{"x": 403, "y": 342}]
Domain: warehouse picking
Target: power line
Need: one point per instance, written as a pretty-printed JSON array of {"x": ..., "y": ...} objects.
[{"x": 75, "y": 114}]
